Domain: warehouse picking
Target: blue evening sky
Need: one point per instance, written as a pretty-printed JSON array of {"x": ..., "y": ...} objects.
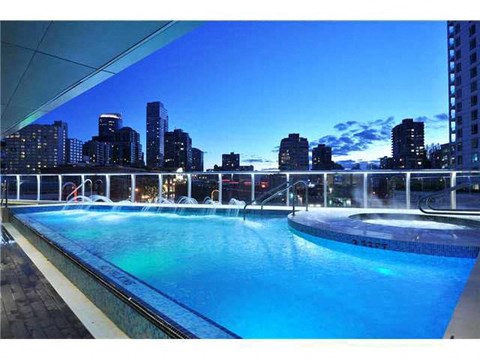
[{"x": 243, "y": 86}]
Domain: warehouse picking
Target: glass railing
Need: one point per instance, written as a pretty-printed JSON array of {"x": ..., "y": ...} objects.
[{"x": 355, "y": 189}]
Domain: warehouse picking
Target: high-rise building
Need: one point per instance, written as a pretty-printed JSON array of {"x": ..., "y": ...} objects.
[
  {"x": 74, "y": 151},
  {"x": 386, "y": 162},
  {"x": 127, "y": 150},
  {"x": 197, "y": 160},
  {"x": 322, "y": 157},
  {"x": 35, "y": 147},
  {"x": 178, "y": 150},
  {"x": 293, "y": 153},
  {"x": 98, "y": 152},
  {"x": 157, "y": 126},
  {"x": 463, "y": 82},
  {"x": 439, "y": 156},
  {"x": 108, "y": 124},
  {"x": 230, "y": 162},
  {"x": 408, "y": 147}
]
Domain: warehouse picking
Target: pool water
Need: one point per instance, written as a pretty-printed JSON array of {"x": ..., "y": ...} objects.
[
  {"x": 260, "y": 280},
  {"x": 417, "y": 224}
]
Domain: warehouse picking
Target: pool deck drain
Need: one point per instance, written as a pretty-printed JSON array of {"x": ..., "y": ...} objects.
[{"x": 39, "y": 302}]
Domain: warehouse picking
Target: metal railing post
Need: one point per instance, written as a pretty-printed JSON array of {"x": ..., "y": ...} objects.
[
  {"x": 325, "y": 190},
  {"x": 60, "y": 186},
  {"x": 38, "y": 187},
  {"x": 107, "y": 185},
  {"x": 294, "y": 200},
  {"x": 220, "y": 188},
  {"x": 18, "y": 187},
  {"x": 365, "y": 190},
  {"x": 408, "y": 193},
  {"x": 288, "y": 191},
  {"x": 453, "y": 194},
  {"x": 160, "y": 187},
  {"x": 132, "y": 195},
  {"x": 83, "y": 185},
  {"x": 189, "y": 185},
  {"x": 252, "y": 187}
]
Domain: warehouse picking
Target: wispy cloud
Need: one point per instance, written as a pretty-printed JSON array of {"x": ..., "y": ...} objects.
[{"x": 357, "y": 136}]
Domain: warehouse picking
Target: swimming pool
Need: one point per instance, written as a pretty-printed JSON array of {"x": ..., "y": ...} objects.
[{"x": 259, "y": 279}]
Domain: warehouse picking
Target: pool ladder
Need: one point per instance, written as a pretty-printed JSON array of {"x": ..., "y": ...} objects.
[
  {"x": 425, "y": 203},
  {"x": 275, "y": 192}
]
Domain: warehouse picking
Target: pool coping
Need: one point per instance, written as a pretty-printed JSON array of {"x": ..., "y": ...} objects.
[{"x": 124, "y": 286}]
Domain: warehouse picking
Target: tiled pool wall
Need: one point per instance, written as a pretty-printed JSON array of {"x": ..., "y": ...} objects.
[
  {"x": 318, "y": 234},
  {"x": 109, "y": 301},
  {"x": 151, "y": 315}
]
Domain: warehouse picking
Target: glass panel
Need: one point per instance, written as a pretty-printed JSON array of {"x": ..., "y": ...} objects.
[
  {"x": 426, "y": 184},
  {"x": 469, "y": 197},
  {"x": 69, "y": 183},
  {"x": 300, "y": 189},
  {"x": 315, "y": 190},
  {"x": 28, "y": 187},
  {"x": 174, "y": 187},
  {"x": 49, "y": 188},
  {"x": 265, "y": 183},
  {"x": 205, "y": 188},
  {"x": 147, "y": 186},
  {"x": 387, "y": 191},
  {"x": 11, "y": 186},
  {"x": 345, "y": 190},
  {"x": 236, "y": 186},
  {"x": 120, "y": 188}
]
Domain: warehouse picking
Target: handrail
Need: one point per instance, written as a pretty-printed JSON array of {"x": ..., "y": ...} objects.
[
  {"x": 303, "y": 182},
  {"x": 79, "y": 187},
  {"x": 277, "y": 191},
  {"x": 426, "y": 200}
]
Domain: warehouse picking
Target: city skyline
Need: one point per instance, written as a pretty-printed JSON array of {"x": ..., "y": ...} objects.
[{"x": 240, "y": 88}]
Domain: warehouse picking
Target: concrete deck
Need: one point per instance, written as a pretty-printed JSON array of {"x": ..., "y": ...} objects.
[{"x": 30, "y": 306}]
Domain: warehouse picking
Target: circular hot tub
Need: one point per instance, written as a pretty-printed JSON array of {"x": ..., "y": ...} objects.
[{"x": 407, "y": 231}]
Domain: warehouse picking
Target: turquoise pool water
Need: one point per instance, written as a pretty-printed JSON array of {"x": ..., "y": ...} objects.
[{"x": 260, "y": 280}]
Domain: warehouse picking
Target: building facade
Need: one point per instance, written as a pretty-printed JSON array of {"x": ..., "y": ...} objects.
[
  {"x": 74, "y": 151},
  {"x": 126, "y": 148},
  {"x": 322, "y": 157},
  {"x": 98, "y": 152},
  {"x": 293, "y": 153},
  {"x": 463, "y": 81},
  {"x": 108, "y": 124},
  {"x": 197, "y": 160},
  {"x": 35, "y": 147},
  {"x": 408, "y": 145},
  {"x": 230, "y": 162},
  {"x": 157, "y": 126},
  {"x": 178, "y": 150}
]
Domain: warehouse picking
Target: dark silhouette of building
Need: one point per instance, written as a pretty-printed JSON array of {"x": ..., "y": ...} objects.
[
  {"x": 322, "y": 157},
  {"x": 408, "y": 148},
  {"x": 157, "y": 126},
  {"x": 73, "y": 151},
  {"x": 293, "y": 153},
  {"x": 35, "y": 147},
  {"x": 98, "y": 152},
  {"x": 439, "y": 156},
  {"x": 230, "y": 162},
  {"x": 386, "y": 163},
  {"x": 178, "y": 150},
  {"x": 463, "y": 38},
  {"x": 108, "y": 124},
  {"x": 197, "y": 160},
  {"x": 127, "y": 150}
]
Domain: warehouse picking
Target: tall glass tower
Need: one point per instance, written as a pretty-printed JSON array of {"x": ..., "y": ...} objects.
[
  {"x": 157, "y": 126},
  {"x": 463, "y": 78}
]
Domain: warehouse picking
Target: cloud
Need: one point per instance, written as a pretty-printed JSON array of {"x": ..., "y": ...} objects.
[
  {"x": 254, "y": 160},
  {"x": 439, "y": 121},
  {"x": 357, "y": 136}
]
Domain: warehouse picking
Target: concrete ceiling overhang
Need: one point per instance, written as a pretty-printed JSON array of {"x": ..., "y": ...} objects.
[{"x": 46, "y": 63}]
